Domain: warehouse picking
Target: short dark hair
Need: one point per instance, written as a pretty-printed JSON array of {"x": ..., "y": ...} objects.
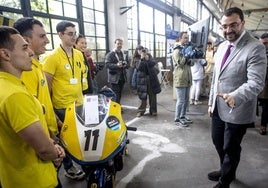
[
  {"x": 5, "y": 40},
  {"x": 118, "y": 39},
  {"x": 264, "y": 36},
  {"x": 181, "y": 34},
  {"x": 61, "y": 26},
  {"x": 140, "y": 47},
  {"x": 234, "y": 10},
  {"x": 25, "y": 25}
]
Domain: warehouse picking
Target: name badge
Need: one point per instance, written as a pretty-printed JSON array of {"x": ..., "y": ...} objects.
[{"x": 73, "y": 81}]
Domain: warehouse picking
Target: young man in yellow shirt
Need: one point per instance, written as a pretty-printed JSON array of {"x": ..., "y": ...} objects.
[
  {"x": 33, "y": 32},
  {"x": 63, "y": 69},
  {"x": 26, "y": 150}
]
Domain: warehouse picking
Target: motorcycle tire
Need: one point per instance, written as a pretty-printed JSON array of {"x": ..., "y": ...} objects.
[
  {"x": 118, "y": 163},
  {"x": 110, "y": 183}
]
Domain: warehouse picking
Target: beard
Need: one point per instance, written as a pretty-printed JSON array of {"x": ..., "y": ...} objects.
[{"x": 231, "y": 36}]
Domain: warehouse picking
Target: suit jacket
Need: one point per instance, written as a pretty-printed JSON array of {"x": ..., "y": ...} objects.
[{"x": 242, "y": 76}]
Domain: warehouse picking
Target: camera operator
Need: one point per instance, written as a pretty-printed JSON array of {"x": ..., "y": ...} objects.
[
  {"x": 116, "y": 65},
  {"x": 182, "y": 78}
]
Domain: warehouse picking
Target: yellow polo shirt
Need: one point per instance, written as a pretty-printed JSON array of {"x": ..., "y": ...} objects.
[
  {"x": 36, "y": 83},
  {"x": 19, "y": 164},
  {"x": 67, "y": 77}
]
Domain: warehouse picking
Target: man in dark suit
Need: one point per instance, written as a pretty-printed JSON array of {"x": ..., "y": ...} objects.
[
  {"x": 116, "y": 65},
  {"x": 263, "y": 96},
  {"x": 235, "y": 86}
]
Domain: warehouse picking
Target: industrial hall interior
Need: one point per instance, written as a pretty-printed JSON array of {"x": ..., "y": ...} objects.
[{"x": 133, "y": 93}]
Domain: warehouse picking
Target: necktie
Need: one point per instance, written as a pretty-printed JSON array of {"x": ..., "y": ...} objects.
[{"x": 226, "y": 55}]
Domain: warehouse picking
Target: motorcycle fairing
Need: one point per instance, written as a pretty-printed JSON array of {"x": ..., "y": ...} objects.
[{"x": 92, "y": 144}]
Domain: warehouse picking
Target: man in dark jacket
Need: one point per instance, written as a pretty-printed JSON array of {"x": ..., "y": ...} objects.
[
  {"x": 263, "y": 97},
  {"x": 116, "y": 65}
]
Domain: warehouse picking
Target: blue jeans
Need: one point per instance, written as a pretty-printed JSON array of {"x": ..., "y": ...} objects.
[{"x": 182, "y": 101}]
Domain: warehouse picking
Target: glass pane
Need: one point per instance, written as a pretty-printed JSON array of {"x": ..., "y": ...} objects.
[
  {"x": 170, "y": 21},
  {"x": 146, "y": 18},
  {"x": 189, "y": 8},
  {"x": 101, "y": 56},
  {"x": 70, "y": 10},
  {"x": 89, "y": 29},
  {"x": 87, "y": 3},
  {"x": 54, "y": 23},
  {"x": 100, "y": 30},
  {"x": 91, "y": 42},
  {"x": 159, "y": 22},
  {"x": 55, "y": 7},
  {"x": 99, "y": 5},
  {"x": 101, "y": 43},
  {"x": 45, "y": 22},
  {"x": 93, "y": 55},
  {"x": 56, "y": 40},
  {"x": 99, "y": 17},
  {"x": 70, "y": 1},
  {"x": 88, "y": 15},
  {"x": 11, "y": 3},
  {"x": 12, "y": 17},
  {"x": 39, "y": 5}
]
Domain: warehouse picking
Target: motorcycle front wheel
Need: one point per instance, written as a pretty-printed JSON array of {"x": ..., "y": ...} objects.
[{"x": 108, "y": 181}]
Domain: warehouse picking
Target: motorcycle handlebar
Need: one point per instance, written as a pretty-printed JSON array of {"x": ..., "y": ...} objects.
[{"x": 131, "y": 128}]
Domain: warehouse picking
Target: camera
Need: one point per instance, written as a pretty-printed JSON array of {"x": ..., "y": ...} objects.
[
  {"x": 124, "y": 62},
  {"x": 189, "y": 51},
  {"x": 143, "y": 50}
]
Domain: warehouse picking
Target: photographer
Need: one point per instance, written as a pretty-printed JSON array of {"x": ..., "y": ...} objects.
[
  {"x": 147, "y": 83},
  {"x": 182, "y": 78},
  {"x": 116, "y": 65}
]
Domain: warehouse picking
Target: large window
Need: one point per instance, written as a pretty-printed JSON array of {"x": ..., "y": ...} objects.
[
  {"x": 94, "y": 28},
  {"x": 87, "y": 15},
  {"x": 148, "y": 28},
  {"x": 189, "y": 8},
  {"x": 132, "y": 26}
]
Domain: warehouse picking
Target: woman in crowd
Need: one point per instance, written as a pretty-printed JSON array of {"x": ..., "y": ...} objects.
[
  {"x": 147, "y": 83},
  {"x": 81, "y": 45}
]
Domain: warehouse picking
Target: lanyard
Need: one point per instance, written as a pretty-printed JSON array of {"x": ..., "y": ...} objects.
[{"x": 71, "y": 65}]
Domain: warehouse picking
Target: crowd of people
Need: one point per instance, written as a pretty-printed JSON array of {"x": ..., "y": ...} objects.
[{"x": 37, "y": 94}]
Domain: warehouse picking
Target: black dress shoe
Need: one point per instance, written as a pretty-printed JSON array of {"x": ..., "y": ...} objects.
[
  {"x": 219, "y": 185},
  {"x": 214, "y": 176}
]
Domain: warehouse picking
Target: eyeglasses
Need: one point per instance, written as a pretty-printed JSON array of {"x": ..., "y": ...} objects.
[
  {"x": 71, "y": 34},
  {"x": 231, "y": 26}
]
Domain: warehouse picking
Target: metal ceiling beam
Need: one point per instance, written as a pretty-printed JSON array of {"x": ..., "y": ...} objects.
[{"x": 256, "y": 10}]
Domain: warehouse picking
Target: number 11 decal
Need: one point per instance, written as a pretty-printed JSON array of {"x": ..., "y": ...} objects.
[{"x": 95, "y": 135}]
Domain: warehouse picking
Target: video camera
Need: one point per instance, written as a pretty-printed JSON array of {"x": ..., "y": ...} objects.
[{"x": 190, "y": 51}]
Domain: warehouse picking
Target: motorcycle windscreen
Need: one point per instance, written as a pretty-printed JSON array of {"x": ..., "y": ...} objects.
[{"x": 91, "y": 139}]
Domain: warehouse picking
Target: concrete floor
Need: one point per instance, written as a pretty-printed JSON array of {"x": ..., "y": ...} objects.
[{"x": 164, "y": 155}]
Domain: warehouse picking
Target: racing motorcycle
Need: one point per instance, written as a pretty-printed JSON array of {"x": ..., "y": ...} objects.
[{"x": 96, "y": 137}]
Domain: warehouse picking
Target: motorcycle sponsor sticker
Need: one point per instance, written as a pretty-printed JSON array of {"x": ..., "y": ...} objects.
[{"x": 113, "y": 123}]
